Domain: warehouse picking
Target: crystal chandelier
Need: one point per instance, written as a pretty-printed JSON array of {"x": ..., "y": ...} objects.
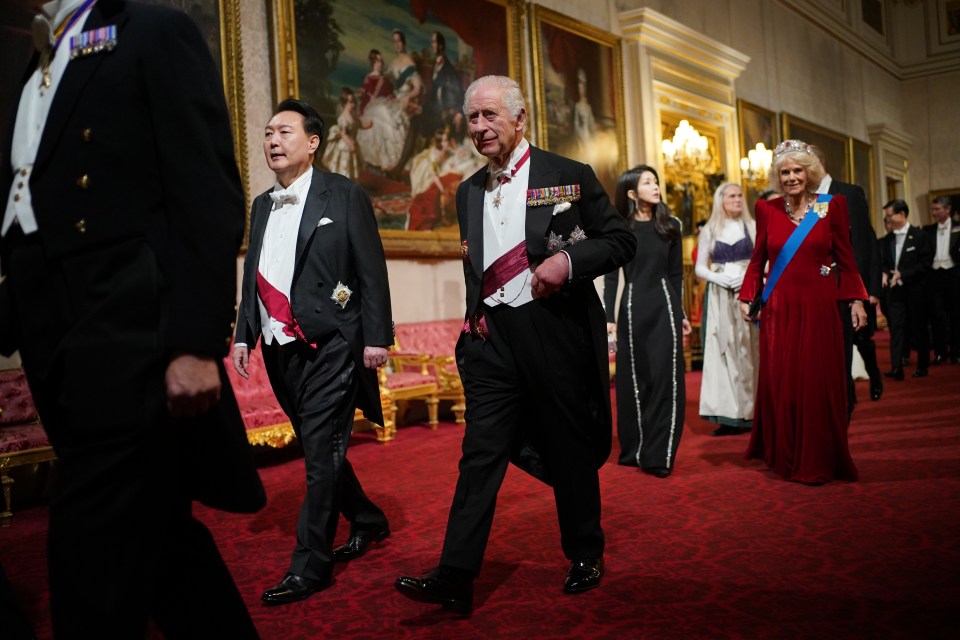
[
  {"x": 687, "y": 153},
  {"x": 756, "y": 166}
]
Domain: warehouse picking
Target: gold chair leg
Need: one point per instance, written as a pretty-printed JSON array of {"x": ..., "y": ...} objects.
[
  {"x": 6, "y": 516},
  {"x": 433, "y": 404},
  {"x": 459, "y": 409}
]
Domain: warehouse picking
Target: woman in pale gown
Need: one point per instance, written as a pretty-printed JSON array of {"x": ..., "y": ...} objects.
[
  {"x": 408, "y": 88},
  {"x": 383, "y": 117},
  {"x": 730, "y": 345},
  {"x": 342, "y": 154}
]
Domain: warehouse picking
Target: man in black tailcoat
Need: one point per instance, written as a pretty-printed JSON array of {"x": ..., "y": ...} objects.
[
  {"x": 315, "y": 293},
  {"x": 867, "y": 255},
  {"x": 123, "y": 222},
  {"x": 906, "y": 257},
  {"x": 943, "y": 288},
  {"x": 535, "y": 230}
]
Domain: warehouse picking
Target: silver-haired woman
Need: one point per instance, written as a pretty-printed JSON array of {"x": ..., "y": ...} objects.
[
  {"x": 800, "y": 419},
  {"x": 730, "y": 345}
]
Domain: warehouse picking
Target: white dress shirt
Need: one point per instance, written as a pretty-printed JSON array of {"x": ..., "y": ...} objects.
[
  {"x": 900, "y": 236},
  {"x": 942, "y": 259},
  {"x": 32, "y": 118},
  {"x": 504, "y": 227},
  {"x": 278, "y": 253}
]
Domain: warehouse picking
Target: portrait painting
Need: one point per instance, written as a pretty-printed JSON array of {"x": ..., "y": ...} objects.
[
  {"x": 834, "y": 145},
  {"x": 388, "y": 77},
  {"x": 579, "y": 93}
]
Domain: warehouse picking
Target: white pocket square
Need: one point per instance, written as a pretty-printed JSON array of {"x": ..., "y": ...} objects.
[
  {"x": 560, "y": 208},
  {"x": 324, "y": 221}
]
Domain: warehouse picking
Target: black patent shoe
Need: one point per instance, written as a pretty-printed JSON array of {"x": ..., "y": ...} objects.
[
  {"x": 728, "y": 430},
  {"x": 920, "y": 373},
  {"x": 358, "y": 544},
  {"x": 450, "y": 588},
  {"x": 583, "y": 575},
  {"x": 876, "y": 389},
  {"x": 294, "y": 588},
  {"x": 896, "y": 373},
  {"x": 657, "y": 472}
]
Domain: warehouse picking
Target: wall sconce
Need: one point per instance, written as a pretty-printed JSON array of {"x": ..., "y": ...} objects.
[{"x": 755, "y": 168}]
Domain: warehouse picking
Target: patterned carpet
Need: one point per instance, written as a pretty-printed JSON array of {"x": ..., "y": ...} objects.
[{"x": 722, "y": 549}]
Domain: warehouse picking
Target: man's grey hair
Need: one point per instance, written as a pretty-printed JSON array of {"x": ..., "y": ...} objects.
[
  {"x": 510, "y": 93},
  {"x": 944, "y": 201}
]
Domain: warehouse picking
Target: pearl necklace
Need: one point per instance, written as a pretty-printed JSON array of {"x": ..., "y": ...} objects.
[{"x": 798, "y": 218}]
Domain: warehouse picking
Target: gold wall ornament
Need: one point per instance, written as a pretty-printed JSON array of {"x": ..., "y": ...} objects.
[{"x": 231, "y": 57}]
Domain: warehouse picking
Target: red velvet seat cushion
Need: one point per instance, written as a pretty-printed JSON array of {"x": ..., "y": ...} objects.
[
  {"x": 406, "y": 379},
  {"x": 22, "y": 437}
]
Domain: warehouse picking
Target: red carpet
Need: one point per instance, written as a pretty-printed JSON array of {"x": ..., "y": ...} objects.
[{"x": 722, "y": 549}]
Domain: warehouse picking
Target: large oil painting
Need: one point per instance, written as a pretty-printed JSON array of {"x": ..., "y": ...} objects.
[
  {"x": 835, "y": 146},
  {"x": 578, "y": 80},
  {"x": 388, "y": 77}
]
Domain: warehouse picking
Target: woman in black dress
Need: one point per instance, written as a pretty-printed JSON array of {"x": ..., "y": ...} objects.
[{"x": 650, "y": 385}]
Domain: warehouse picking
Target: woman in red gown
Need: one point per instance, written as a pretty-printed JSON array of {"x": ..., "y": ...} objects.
[{"x": 800, "y": 423}]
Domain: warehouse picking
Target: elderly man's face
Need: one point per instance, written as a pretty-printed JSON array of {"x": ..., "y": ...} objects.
[
  {"x": 494, "y": 131},
  {"x": 939, "y": 212}
]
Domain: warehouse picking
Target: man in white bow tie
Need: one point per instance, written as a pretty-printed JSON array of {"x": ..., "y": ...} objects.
[
  {"x": 315, "y": 293},
  {"x": 906, "y": 257},
  {"x": 535, "y": 230},
  {"x": 119, "y": 250}
]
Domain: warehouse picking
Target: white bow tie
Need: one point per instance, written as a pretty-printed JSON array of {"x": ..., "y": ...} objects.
[
  {"x": 283, "y": 197},
  {"x": 901, "y": 232}
]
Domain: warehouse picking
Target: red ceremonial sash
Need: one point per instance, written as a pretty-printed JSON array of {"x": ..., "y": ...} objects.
[
  {"x": 504, "y": 269},
  {"x": 278, "y": 307}
]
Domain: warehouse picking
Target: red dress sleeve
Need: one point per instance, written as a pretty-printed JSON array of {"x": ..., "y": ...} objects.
[
  {"x": 753, "y": 279},
  {"x": 850, "y": 285}
]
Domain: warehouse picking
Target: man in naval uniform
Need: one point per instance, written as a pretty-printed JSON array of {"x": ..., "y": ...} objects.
[{"x": 123, "y": 221}]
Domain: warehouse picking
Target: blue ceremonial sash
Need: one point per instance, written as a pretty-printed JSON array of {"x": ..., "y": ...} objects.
[{"x": 793, "y": 243}]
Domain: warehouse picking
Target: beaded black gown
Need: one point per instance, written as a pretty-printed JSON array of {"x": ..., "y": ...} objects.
[{"x": 649, "y": 379}]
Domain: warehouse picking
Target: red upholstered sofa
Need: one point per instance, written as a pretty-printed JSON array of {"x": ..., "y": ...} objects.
[
  {"x": 423, "y": 366},
  {"x": 22, "y": 438},
  {"x": 266, "y": 422}
]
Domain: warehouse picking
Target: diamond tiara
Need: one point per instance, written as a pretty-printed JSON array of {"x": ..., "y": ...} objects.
[{"x": 788, "y": 146}]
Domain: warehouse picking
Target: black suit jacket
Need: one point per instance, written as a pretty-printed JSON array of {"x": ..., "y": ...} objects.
[
  {"x": 915, "y": 258},
  {"x": 347, "y": 251},
  {"x": 122, "y": 165},
  {"x": 608, "y": 246},
  {"x": 862, "y": 236},
  {"x": 954, "y": 249}
]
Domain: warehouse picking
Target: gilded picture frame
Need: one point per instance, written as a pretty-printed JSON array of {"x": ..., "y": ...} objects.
[
  {"x": 323, "y": 50},
  {"x": 578, "y": 92},
  {"x": 756, "y": 124},
  {"x": 835, "y": 146}
]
